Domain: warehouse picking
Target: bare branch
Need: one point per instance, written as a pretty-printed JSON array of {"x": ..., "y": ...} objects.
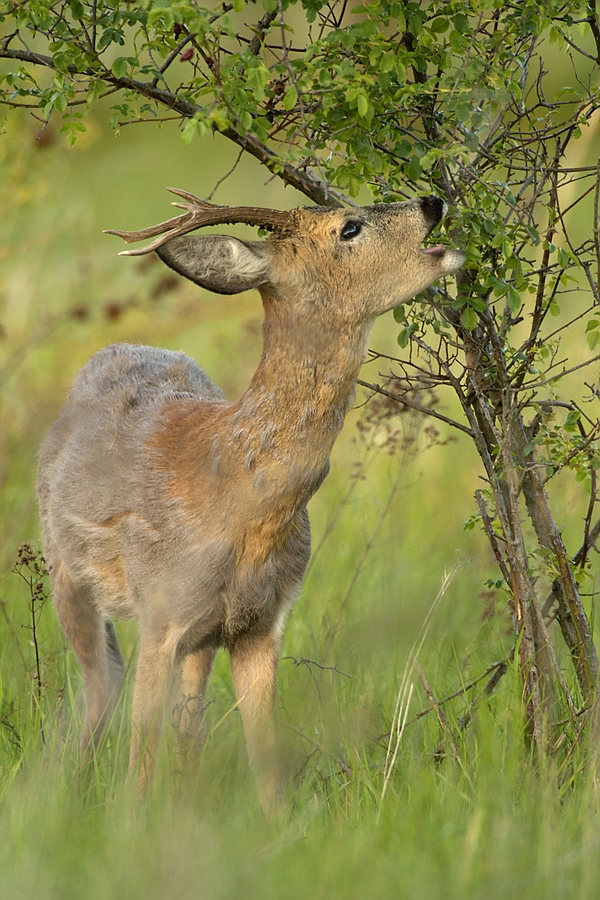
[{"x": 401, "y": 398}]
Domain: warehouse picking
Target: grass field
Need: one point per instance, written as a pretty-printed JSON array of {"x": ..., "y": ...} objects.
[{"x": 456, "y": 811}]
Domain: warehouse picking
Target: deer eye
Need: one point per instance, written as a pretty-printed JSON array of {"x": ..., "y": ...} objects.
[{"x": 350, "y": 229}]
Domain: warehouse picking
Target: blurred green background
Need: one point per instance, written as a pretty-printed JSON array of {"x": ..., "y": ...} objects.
[{"x": 386, "y": 528}]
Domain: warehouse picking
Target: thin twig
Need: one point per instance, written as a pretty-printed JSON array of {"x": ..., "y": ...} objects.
[
  {"x": 447, "y": 731},
  {"x": 400, "y": 398},
  {"x": 303, "y": 661},
  {"x": 492, "y": 537},
  {"x": 597, "y": 225}
]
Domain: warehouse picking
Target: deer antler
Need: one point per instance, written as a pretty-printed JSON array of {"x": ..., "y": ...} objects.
[{"x": 201, "y": 212}]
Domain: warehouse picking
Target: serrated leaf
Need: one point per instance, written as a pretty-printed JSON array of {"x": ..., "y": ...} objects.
[
  {"x": 403, "y": 337},
  {"x": 402, "y": 147},
  {"x": 415, "y": 25},
  {"x": 413, "y": 169},
  {"x": 387, "y": 63},
  {"x": 563, "y": 257},
  {"x": 245, "y": 120},
  {"x": 439, "y": 25},
  {"x": 469, "y": 318},
  {"x": 461, "y": 23},
  {"x": 219, "y": 120},
  {"x": 291, "y": 98},
  {"x": 573, "y": 417},
  {"x": 188, "y": 133},
  {"x": 593, "y": 339},
  {"x": 513, "y": 298},
  {"x": 120, "y": 66},
  {"x": 106, "y": 38},
  {"x": 554, "y": 309},
  {"x": 162, "y": 14}
]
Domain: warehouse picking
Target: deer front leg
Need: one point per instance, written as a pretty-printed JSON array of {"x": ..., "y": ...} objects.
[
  {"x": 154, "y": 668},
  {"x": 254, "y": 662}
]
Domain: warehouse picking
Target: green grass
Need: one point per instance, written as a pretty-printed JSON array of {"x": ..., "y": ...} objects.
[{"x": 479, "y": 820}]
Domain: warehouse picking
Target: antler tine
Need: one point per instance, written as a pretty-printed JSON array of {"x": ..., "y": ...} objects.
[{"x": 199, "y": 213}]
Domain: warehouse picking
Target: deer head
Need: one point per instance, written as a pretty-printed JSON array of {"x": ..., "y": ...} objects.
[{"x": 355, "y": 263}]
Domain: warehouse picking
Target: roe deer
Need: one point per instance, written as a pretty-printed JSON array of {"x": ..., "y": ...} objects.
[{"x": 161, "y": 500}]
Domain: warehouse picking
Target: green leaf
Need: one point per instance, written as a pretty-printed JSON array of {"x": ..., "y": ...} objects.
[
  {"x": 404, "y": 337},
  {"x": 469, "y": 318},
  {"x": 362, "y": 106},
  {"x": 513, "y": 298},
  {"x": 563, "y": 257},
  {"x": 405, "y": 333},
  {"x": 573, "y": 417},
  {"x": 161, "y": 15},
  {"x": 245, "y": 119},
  {"x": 291, "y": 98},
  {"x": 593, "y": 339},
  {"x": 402, "y": 147},
  {"x": 469, "y": 525},
  {"x": 400, "y": 72},
  {"x": 387, "y": 63},
  {"x": 415, "y": 25},
  {"x": 219, "y": 119},
  {"x": 120, "y": 66},
  {"x": 461, "y": 23},
  {"x": 413, "y": 169},
  {"x": 195, "y": 127},
  {"x": 439, "y": 25}
]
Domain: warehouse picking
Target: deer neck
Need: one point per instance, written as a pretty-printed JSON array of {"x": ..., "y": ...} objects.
[{"x": 294, "y": 409}]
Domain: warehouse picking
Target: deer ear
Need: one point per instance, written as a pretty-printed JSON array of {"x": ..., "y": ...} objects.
[{"x": 216, "y": 262}]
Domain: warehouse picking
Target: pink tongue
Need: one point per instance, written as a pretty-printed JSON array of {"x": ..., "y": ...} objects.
[{"x": 436, "y": 249}]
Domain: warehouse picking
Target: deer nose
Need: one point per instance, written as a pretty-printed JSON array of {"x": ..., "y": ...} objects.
[{"x": 433, "y": 209}]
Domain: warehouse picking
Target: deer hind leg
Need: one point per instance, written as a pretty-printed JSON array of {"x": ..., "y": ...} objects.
[
  {"x": 190, "y": 705},
  {"x": 254, "y": 663},
  {"x": 154, "y": 669},
  {"x": 96, "y": 648}
]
